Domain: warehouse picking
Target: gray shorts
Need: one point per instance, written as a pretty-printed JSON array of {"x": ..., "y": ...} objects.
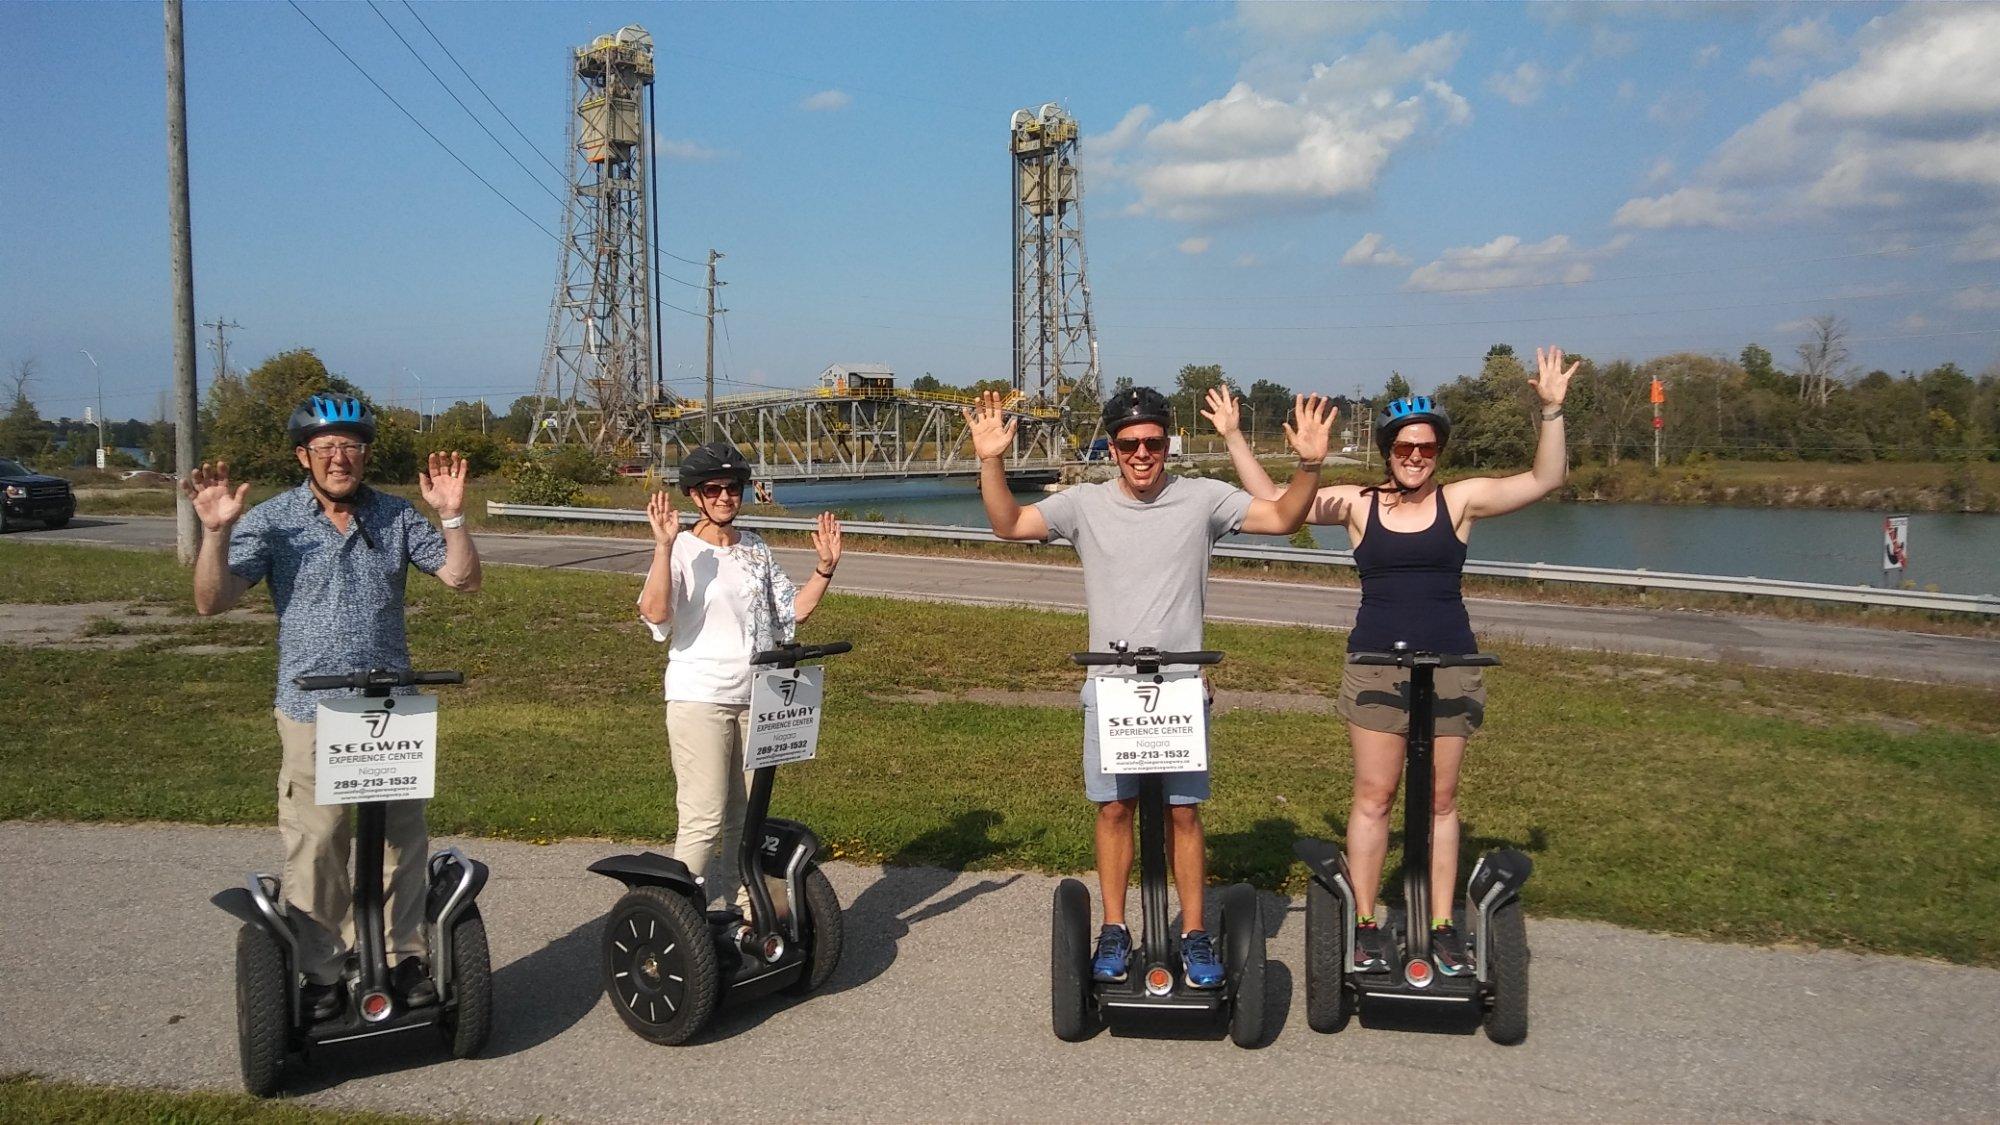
[{"x": 1189, "y": 787}]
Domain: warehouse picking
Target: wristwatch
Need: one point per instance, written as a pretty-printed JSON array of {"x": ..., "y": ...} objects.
[{"x": 1547, "y": 416}]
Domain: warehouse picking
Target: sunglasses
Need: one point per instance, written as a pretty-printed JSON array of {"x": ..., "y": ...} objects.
[
  {"x": 1428, "y": 450},
  {"x": 714, "y": 489},
  {"x": 1130, "y": 445}
]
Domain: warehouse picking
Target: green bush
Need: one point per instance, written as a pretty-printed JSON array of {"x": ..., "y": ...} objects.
[{"x": 537, "y": 482}]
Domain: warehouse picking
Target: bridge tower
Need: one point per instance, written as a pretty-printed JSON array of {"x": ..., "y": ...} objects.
[
  {"x": 598, "y": 369},
  {"x": 1055, "y": 340}
]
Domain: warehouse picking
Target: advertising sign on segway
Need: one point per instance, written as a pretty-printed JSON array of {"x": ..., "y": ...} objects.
[
  {"x": 1152, "y": 724},
  {"x": 784, "y": 716},
  {"x": 369, "y": 749}
]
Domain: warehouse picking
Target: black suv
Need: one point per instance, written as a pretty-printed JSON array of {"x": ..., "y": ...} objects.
[{"x": 30, "y": 495}]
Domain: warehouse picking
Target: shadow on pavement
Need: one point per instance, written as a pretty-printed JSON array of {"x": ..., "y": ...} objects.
[{"x": 544, "y": 994}]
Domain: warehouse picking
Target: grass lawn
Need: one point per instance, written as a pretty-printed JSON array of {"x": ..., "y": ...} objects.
[
  {"x": 1696, "y": 798},
  {"x": 24, "y": 1098}
]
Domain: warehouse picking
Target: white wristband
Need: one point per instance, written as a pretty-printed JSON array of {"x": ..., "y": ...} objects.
[{"x": 453, "y": 523}]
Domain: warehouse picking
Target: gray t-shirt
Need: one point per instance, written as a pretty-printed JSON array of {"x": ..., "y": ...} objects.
[{"x": 1145, "y": 563}]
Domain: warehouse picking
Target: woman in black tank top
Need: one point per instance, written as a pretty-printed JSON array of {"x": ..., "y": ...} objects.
[{"x": 1409, "y": 535}]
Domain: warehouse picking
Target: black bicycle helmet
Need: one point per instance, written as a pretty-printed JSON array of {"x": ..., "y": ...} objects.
[
  {"x": 1409, "y": 411},
  {"x": 329, "y": 411},
  {"x": 717, "y": 460},
  {"x": 1136, "y": 404}
]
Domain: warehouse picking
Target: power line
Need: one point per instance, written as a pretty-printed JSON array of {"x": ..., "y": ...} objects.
[
  {"x": 482, "y": 90},
  {"x": 461, "y": 104},
  {"x": 419, "y": 124}
]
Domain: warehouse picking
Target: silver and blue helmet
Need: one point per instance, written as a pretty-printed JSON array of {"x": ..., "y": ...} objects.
[
  {"x": 329, "y": 411},
  {"x": 1409, "y": 411}
]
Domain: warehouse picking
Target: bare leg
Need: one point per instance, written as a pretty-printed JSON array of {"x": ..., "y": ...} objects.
[
  {"x": 1378, "y": 767},
  {"x": 1114, "y": 856},
  {"x": 1447, "y": 755},
  {"x": 1185, "y": 843}
]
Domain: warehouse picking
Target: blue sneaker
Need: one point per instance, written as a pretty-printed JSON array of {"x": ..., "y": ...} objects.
[
  {"x": 1114, "y": 950},
  {"x": 1198, "y": 958}
]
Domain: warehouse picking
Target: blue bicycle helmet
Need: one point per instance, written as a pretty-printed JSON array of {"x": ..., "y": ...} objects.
[
  {"x": 330, "y": 410},
  {"x": 1408, "y": 411}
]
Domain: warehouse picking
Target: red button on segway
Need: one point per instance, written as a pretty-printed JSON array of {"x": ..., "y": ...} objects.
[{"x": 1418, "y": 973}]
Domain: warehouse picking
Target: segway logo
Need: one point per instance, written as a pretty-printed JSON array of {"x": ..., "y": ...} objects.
[
  {"x": 1149, "y": 694},
  {"x": 788, "y": 689},
  {"x": 378, "y": 721}
]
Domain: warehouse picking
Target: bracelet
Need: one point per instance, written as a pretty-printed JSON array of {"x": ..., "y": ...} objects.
[
  {"x": 1311, "y": 466},
  {"x": 824, "y": 573},
  {"x": 1548, "y": 417},
  {"x": 453, "y": 523}
]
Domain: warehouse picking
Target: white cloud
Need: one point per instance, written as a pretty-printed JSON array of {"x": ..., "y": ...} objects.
[
  {"x": 1125, "y": 132},
  {"x": 1608, "y": 42},
  {"x": 1985, "y": 298},
  {"x": 1706, "y": 56},
  {"x": 1507, "y": 262},
  {"x": 1522, "y": 86},
  {"x": 1687, "y": 207},
  {"x": 1794, "y": 47},
  {"x": 683, "y": 150},
  {"x": 826, "y": 100},
  {"x": 1194, "y": 246},
  {"x": 1253, "y": 150},
  {"x": 1661, "y": 170},
  {"x": 1373, "y": 250}
]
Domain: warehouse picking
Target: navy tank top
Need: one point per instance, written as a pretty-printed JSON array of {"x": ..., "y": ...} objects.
[{"x": 1410, "y": 587}]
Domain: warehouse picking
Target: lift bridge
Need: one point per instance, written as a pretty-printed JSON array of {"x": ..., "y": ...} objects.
[{"x": 856, "y": 424}]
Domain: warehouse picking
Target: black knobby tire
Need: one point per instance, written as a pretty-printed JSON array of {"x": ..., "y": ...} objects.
[
  {"x": 1243, "y": 953},
  {"x": 1069, "y": 963},
  {"x": 263, "y": 1009},
  {"x": 659, "y": 965},
  {"x": 824, "y": 931},
  {"x": 1507, "y": 975},
  {"x": 1328, "y": 1004},
  {"x": 468, "y": 1019}
]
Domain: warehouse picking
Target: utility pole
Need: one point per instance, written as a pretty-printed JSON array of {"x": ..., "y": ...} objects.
[
  {"x": 1658, "y": 395},
  {"x": 183, "y": 281},
  {"x": 100, "y": 404},
  {"x": 221, "y": 344},
  {"x": 708, "y": 393}
]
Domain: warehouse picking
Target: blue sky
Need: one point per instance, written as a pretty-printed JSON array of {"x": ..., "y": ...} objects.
[{"x": 1316, "y": 195}]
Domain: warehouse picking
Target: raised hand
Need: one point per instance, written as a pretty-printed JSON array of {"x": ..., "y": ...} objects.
[
  {"x": 214, "y": 504},
  {"x": 1314, "y": 435},
  {"x": 1552, "y": 381},
  {"x": 442, "y": 484},
  {"x": 826, "y": 542},
  {"x": 1223, "y": 411},
  {"x": 992, "y": 431},
  {"x": 660, "y": 513}
]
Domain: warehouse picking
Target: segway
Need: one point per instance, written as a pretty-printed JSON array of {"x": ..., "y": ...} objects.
[
  {"x": 272, "y": 1025},
  {"x": 1154, "y": 996},
  {"x": 669, "y": 963},
  {"x": 1491, "y": 916}
]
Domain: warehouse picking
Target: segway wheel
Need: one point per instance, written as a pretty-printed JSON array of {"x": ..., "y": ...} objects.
[
  {"x": 659, "y": 965},
  {"x": 263, "y": 1009},
  {"x": 1243, "y": 960},
  {"x": 1328, "y": 1004},
  {"x": 824, "y": 933},
  {"x": 1507, "y": 975},
  {"x": 468, "y": 1018},
  {"x": 1069, "y": 963}
]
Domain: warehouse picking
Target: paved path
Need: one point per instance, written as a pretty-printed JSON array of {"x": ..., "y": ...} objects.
[
  {"x": 114, "y": 969},
  {"x": 1851, "y": 649}
]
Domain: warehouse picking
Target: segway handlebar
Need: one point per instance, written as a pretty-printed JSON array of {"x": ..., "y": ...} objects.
[
  {"x": 376, "y": 678},
  {"x": 1425, "y": 659},
  {"x": 1150, "y": 656},
  {"x": 789, "y": 655}
]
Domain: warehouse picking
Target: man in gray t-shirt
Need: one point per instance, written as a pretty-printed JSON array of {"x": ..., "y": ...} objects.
[{"x": 1145, "y": 539}]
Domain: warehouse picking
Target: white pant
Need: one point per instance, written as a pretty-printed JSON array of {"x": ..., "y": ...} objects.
[{"x": 711, "y": 791}]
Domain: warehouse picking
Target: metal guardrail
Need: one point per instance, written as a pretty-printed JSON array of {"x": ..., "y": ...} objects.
[{"x": 1305, "y": 556}]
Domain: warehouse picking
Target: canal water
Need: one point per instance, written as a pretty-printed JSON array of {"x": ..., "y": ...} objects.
[{"x": 1954, "y": 552}]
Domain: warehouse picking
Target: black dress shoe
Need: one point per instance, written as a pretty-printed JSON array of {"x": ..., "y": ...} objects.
[
  {"x": 412, "y": 983},
  {"x": 322, "y": 1001}
]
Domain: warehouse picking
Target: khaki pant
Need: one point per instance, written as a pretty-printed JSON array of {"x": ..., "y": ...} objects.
[
  {"x": 711, "y": 792},
  {"x": 318, "y": 879}
]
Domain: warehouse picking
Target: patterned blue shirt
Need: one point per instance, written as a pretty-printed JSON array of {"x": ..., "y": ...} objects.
[{"x": 339, "y": 597}]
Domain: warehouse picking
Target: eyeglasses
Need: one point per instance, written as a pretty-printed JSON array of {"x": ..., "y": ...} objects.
[
  {"x": 1130, "y": 445},
  {"x": 716, "y": 488},
  {"x": 1428, "y": 450},
  {"x": 329, "y": 448}
]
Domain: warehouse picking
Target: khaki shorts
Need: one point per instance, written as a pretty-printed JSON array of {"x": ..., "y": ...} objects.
[{"x": 1377, "y": 697}]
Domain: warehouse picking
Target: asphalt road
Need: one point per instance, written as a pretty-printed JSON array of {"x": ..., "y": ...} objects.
[
  {"x": 114, "y": 969},
  {"x": 1849, "y": 649}
]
